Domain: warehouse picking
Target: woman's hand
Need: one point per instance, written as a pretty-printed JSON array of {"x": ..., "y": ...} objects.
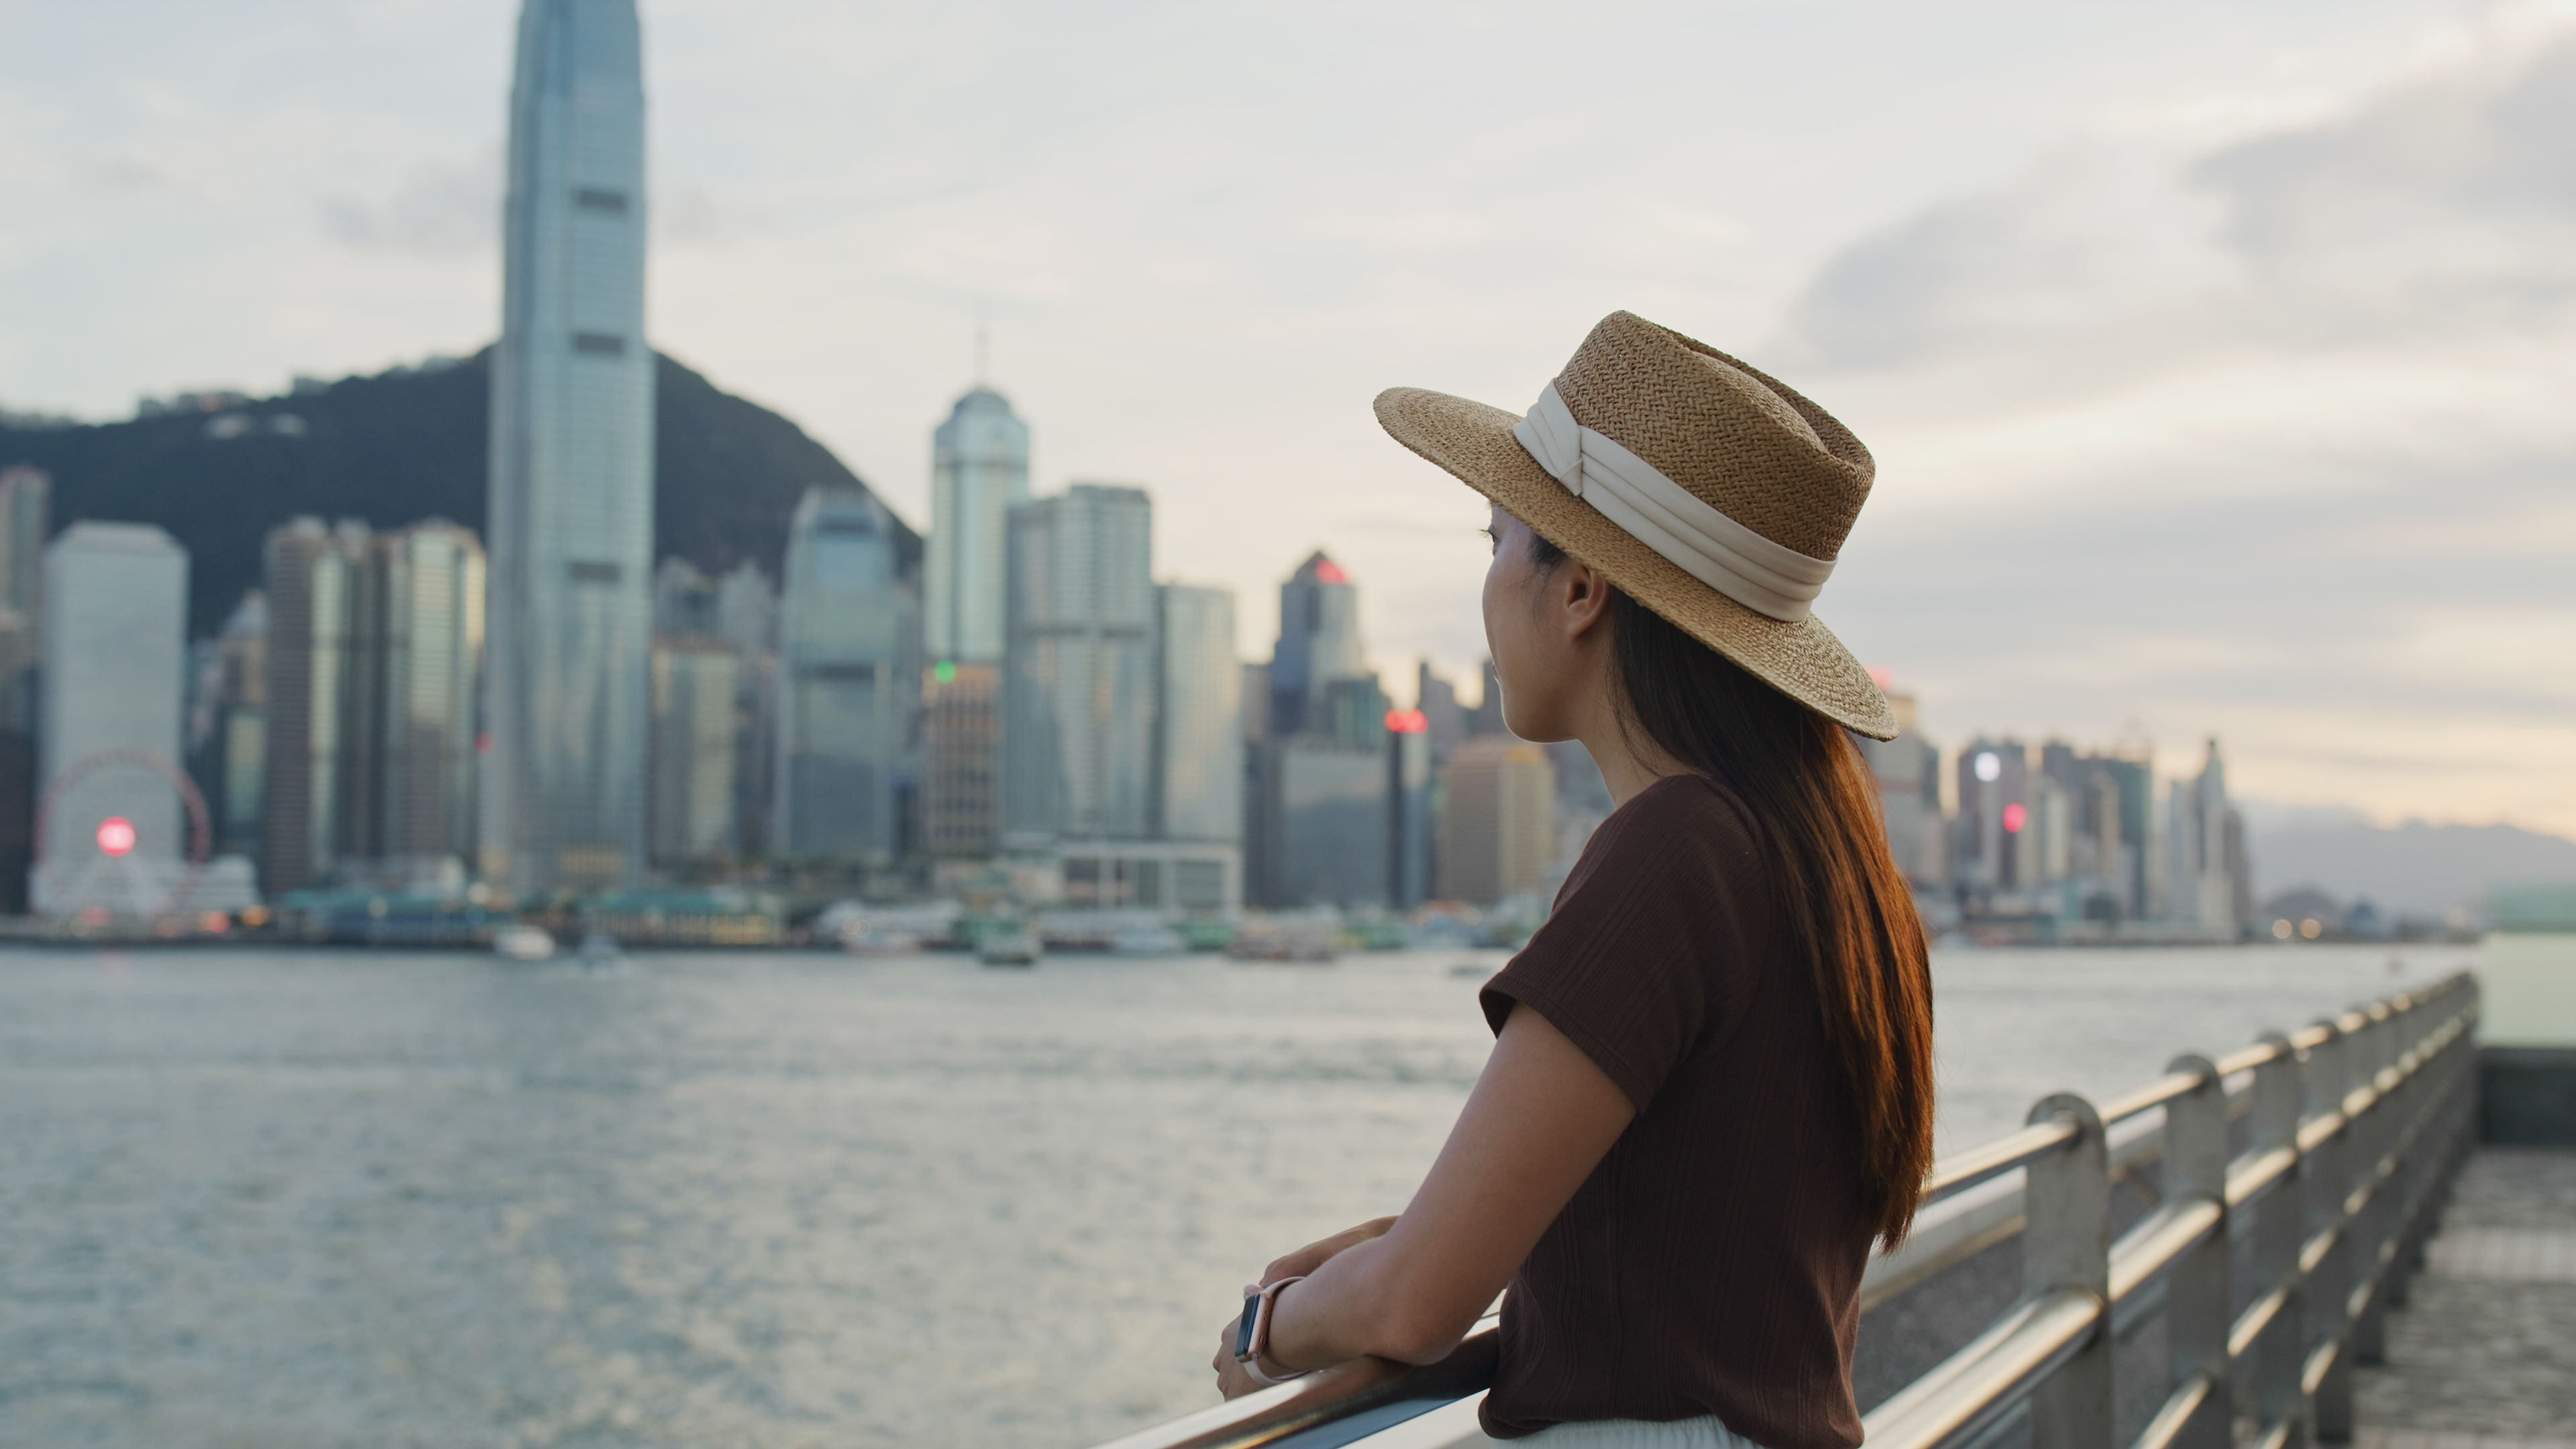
[
  {"x": 1317, "y": 1253},
  {"x": 1231, "y": 1380}
]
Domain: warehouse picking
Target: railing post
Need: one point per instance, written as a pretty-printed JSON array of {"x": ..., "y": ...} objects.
[
  {"x": 2325, "y": 1186},
  {"x": 2407, "y": 1189},
  {"x": 2067, "y": 1245},
  {"x": 2196, "y": 1295},
  {"x": 2278, "y": 1351},
  {"x": 2374, "y": 1052}
]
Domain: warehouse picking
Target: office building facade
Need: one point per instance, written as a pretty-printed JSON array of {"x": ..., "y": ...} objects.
[
  {"x": 1078, "y": 683},
  {"x": 961, "y": 740},
  {"x": 115, "y": 612},
  {"x": 313, "y": 736},
  {"x": 424, "y": 599},
  {"x": 1319, "y": 643},
  {"x": 373, "y": 647},
  {"x": 1497, "y": 819},
  {"x": 849, "y": 670},
  {"x": 227, "y": 738},
  {"x": 25, "y": 515},
  {"x": 694, "y": 812},
  {"x": 979, "y": 472},
  {"x": 1198, "y": 754},
  {"x": 571, "y": 476}
]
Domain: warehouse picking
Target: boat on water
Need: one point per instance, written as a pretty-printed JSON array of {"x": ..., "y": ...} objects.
[
  {"x": 521, "y": 942},
  {"x": 1306, "y": 943},
  {"x": 1147, "y": 941},
  {"x": 600, "y": 952},
  {"x": 1009, "y": 948}
]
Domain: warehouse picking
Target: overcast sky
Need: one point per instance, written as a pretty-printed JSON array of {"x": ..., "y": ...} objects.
[{"x": 2220, "y": 359}]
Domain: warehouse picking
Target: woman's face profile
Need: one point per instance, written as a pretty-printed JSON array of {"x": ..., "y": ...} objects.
[{"x": 1530, "y": 671}]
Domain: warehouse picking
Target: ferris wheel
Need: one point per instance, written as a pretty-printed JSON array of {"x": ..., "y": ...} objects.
[{"x": 112, "y": 876}]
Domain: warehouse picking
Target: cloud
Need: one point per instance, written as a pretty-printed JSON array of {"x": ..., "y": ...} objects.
[
  {"x": 2440, "y": 211},
  {"x": 434, "y": 210},
  {"x": 2268, "y": 436}
]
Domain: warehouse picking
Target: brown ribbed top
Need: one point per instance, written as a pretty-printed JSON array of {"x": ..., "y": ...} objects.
[{"x": 1711, "y": 1264}]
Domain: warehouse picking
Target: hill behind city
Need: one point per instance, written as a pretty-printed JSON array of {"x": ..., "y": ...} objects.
[
  {"x": 2412, "y": 869},
  {"x": 404, "y": 445}
]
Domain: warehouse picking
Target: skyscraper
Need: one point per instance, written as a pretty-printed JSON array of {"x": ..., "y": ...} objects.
[
  {"x": 1078, "y": 685},
  {"x": 373, "y": 646},
  {"x": 979, "y": 472},
  {"x": 1497, "y": 819},
  {"x": 694, "y": 811},
  {"x": 849, "y": 671},
  {"x": 314, "y": 582},
  {"x": 571, "y": 513},
  {"x": 1322, "y": 796},
  {"x": 747, "y": 621},
  {"x": 115, "y": 619},
  {"x": 2211, "y": 879},
  {"x": 25, "y": 495},
  {"x": 228, "y": 726},
  {"x": 1198, "y": 768},
  {"x": 1319, "y": 642},
  {"x": 425, "y": 584}
]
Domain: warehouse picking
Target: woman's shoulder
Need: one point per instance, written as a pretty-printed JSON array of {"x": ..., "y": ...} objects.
[
  {"x": 1678, "y": 816},
  {"x": 1685, "y": 839}
]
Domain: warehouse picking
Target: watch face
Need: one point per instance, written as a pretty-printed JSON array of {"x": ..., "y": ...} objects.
[{"x": 1243, "y": 1332}]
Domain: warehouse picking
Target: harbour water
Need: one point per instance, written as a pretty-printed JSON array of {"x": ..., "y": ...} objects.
[{"x": 323, "y": 1198}]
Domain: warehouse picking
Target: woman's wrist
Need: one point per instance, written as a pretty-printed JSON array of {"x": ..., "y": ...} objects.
[{"x": 1260, "y": 1361}]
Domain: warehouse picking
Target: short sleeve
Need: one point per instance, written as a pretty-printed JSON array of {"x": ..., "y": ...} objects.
[{"x": 1644, "y": 957}]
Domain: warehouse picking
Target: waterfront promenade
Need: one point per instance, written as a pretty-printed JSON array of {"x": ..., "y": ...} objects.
[{"x": 2483, "y": 1353}]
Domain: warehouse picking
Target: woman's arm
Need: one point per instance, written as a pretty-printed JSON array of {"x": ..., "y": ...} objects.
[{"x": 1541, "y": 1118}]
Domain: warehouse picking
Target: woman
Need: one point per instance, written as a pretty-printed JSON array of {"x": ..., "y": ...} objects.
[{"x": 1711, "y": 1085}]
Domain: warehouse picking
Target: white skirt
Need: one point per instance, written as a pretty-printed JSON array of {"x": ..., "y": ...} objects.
[{"x": 1704, "y": 1432}]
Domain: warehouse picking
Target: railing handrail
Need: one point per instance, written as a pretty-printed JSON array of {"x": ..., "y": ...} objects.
[{"x": 2050, "y": 1350}]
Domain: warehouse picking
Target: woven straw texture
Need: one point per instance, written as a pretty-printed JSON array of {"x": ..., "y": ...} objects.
[{"x": 1749, "y": 446}]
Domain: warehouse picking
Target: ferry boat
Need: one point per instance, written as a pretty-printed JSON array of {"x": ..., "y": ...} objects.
[{"x": 519, "y": 941}]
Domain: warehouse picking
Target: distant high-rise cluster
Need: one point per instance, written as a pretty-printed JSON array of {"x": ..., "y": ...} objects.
[
  {"x": 1011, "y": 711},
  {"x": 2056, "y": 836}
]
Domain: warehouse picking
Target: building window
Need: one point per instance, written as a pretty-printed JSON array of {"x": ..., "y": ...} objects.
[
  {"x": 599, "y": 344},
  {"x": 594, "y": 198},
  {"x": 839, "y": 673},
  {"x": 585, "y": 571},
  {"x": 1198, "y": 885}
]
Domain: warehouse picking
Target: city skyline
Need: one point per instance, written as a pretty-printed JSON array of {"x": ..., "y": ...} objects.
[{"x": 2047, "y": 553}]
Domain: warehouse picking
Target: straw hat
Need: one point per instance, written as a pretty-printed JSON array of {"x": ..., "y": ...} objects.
[{"x": 1705, "y": 490}]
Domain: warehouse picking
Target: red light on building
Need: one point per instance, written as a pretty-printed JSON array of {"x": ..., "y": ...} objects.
[
  {"x": 1408, "y": 721},
  {"x": 2015, "y": 817},
  {"x": 116, "y": 835},
  {"x": 1329, "y": 572},
  {"x": 1880, "y": 677}
]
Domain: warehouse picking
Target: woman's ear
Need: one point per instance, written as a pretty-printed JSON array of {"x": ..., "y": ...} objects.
[{"x": 1587, "y": 597}]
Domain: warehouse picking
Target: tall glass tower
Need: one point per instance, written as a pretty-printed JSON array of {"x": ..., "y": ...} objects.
[
  {"x": 979, "y": 471},
  {"x": 571, "y": 521},
  {"x": 849, "y": 683}
]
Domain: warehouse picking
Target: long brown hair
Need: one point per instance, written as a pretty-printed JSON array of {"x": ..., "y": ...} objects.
[{"x": 1849, "y": 910}]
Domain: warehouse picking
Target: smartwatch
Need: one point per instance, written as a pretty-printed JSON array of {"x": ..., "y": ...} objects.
[{"x": 1252, "y": 1339}]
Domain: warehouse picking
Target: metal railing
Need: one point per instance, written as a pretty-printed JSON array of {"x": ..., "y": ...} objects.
[{"x": 2296, "y": 1184}]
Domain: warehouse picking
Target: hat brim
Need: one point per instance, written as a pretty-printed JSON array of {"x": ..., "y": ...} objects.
[{"x": 1803, "y": 660}]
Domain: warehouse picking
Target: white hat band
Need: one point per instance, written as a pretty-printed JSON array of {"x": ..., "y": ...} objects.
[{"x": 1767, "y": 577}]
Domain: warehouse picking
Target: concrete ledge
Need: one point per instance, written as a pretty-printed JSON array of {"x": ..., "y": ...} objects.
[{"x": 2527, "y": 1096}]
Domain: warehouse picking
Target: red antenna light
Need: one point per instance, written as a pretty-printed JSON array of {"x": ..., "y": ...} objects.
[
  {"x": 1329, "y": 572},
  {"x": 2014, "y": 818},
  {"x": 1408, "y": 721},
  {"x": 116, "y": 835}
]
